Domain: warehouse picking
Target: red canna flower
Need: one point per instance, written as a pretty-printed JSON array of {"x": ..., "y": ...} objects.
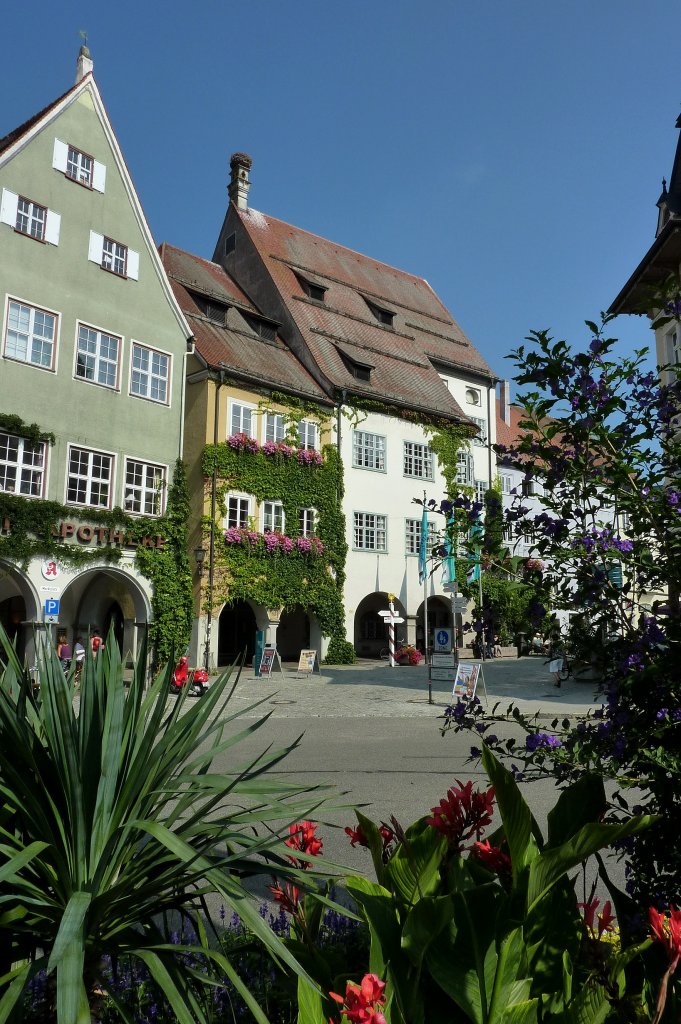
[
  {"x": 667, "y": 930},
  {"x": 287, "y": 895},
  {"x": 357, "y": 837},
  {"x": 302, "y": 837},
  {"x": 604, "y": 922},
  {"x": 361, "y": 1003},
  {"x": 463, "y": 813},
  {"x": 492, "y": 857}
]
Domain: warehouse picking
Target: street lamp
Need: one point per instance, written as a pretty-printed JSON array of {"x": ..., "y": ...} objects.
[{"x": 200, "y": 556}]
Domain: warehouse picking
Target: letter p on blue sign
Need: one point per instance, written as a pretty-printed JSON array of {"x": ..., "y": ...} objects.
[{"x": 51, "y": 609}]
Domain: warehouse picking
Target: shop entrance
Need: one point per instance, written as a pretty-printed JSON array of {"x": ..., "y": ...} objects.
[
  {"x": 106, "y": 599},
  {"x": 236, "y": 633}
]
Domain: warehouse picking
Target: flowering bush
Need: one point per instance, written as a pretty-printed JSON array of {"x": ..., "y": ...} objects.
[
  {"x": 600, "y": 433},
  {"x": 408, "y": 653}
]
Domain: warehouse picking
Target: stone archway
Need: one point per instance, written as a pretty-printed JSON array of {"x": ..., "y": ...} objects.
[
  {"x": 439, "y": 617},
  {"x": 19, "y": 611},
  {"x": 237, "y": 626},
  {"x": 100, "y": 598},
  {"x": 371, "y": 633},
  {"x": 293, "y": 633}
]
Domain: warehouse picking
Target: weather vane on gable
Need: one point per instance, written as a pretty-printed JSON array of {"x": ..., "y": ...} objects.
[{"x": 83, "y": 35}]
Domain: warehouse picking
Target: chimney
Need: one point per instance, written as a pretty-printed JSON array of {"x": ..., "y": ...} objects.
[
  {"x": 84, "y": 65},
  {"x": 239, "y": 166},
  {"x": 505, "y": 402}
]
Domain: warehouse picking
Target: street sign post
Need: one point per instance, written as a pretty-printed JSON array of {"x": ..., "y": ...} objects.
[{"x": 391, "y": 620}]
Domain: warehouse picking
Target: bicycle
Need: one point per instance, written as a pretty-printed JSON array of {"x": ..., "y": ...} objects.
[{"x": 566, "y": 670}]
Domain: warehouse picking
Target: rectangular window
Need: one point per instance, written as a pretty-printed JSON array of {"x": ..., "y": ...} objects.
[
  {"x": 31, "y": 218},
  {"x": 238, "y": 511},
  {"x": 97, "y": 356},
  {"x": 481, "y": 488},
  {"x": 272, "y": 517},
  {"x": 150, "y": 373},
  {"x": 30, "y": 335},
  {"x": 413, "y": 536},
  {"x": 144, "y": 488},
  {"x": 90, "y": 477},
  {"x": 307, "y": 522},
  {"x": 418, "y": 460},
  {"x": 307, "y": 435},
  {"x": 114, "y": 257},
  {"x": 464, "y": 468},
  {"x": 508, "y": 532},
  {"x": 275, "y": 428},
  {"x": 79, "y": 167},
  {"x": 368, "y": 450},
  {"x": 371, "y": 532},
  {"x": 480, "y": 438},
  {"x": 242, "y": 419},
  {"x": 22, "y": 466},
  {"x": 506, "y": 483}
]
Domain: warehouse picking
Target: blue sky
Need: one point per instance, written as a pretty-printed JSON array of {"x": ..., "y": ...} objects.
[{"x": 509, "y": 152}]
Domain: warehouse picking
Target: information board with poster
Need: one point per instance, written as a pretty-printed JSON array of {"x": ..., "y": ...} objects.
[
  {"x": 269, "y": 662},
  {"x": 308, "y": 662},
  {"x": 466, "y": 681}
]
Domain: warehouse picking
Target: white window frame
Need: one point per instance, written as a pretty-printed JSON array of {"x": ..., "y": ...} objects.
[
  {"x": 96, "y": 254},
  {"x": 672, "y": 350},
  {"x": 464, "y": 468},
  {"x": 481, "y": 489},
  {"x": 275, "y": 427},
  {"x": 9, "y": 214},
  {"x": 412, "y": 536},
  {"x": 31, "y": 337},
  {"x": 89, "y": 476},
  {"x": 149, "y": 373},
  {"x": 22, "y": 465},
  {"x": 369, "y": 451},
  {"x": 242, "y": 503},
  {"x": 140, "y": 494},
  {"x": 308, "y": 436},
  {"x": 369, "y": 530},
  {"x": 272, "y": 516},
  {"x": 80, "y": 166},
  {"x": 32, "y": 220},
  {"x": 481, "y": 438},
  {"x": 62, "y": 160},
  {"x": 506, "y": 483},
  {"x": 418, "y": 460},
  {"x": 236, "y": 418},
  {"x": 100, "y": 361},
  {"x": 307, "y": 521},
  {"x": 115, "y": 257},
  {"x": 473, "y": 396}
]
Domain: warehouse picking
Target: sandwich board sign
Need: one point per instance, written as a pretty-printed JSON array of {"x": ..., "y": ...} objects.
[
  {"x": 269, "y": 662},
  {"x": 466, "y": 681},
  {"x": 308, "y": 662}
]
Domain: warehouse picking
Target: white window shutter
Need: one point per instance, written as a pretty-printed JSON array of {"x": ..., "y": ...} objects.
[
  {"x": 9, "y": 205},
  {"x": 96, "y": 247},
  {"x": 60, "y": 156},
  {"x": 52, "y": 227},
  {"x": 133, "y": 265},
  {"x": 99, "y": 177}
]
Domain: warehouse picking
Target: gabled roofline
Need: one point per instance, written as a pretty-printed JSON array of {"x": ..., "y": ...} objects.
[
  {"x": 669, "y": 238},
  {"x": 37, "y": 124}
]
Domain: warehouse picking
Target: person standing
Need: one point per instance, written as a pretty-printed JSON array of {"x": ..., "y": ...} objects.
[
  {"x": 64, "y": 652},
  {"x": 96, "y": 642},
  {"x": 79, "y": 653},
  {"x": 556, "y": 659}
]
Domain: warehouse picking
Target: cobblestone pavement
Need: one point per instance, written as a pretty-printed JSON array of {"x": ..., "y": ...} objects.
[{"x": 371, "y": 688}]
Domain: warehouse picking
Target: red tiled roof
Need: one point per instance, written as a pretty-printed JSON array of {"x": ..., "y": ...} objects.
[
  {"x": 509, "y": 434},
  {"x": 234, "y": 346},
  {"x": 423, "y": 330},
  {"x": 7, "y": 140}
]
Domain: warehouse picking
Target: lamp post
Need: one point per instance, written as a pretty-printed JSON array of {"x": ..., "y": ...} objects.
[{"x": 200, "y": 556}]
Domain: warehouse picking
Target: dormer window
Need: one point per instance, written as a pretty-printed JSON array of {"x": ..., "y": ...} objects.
[
  {"x": 312, "y": 289},
  {"x": 264, "y": 328},
  {"x": 213, "y": 310},
  {"x": 358, "y": 369},
  {"x": 384, "y": 316}
]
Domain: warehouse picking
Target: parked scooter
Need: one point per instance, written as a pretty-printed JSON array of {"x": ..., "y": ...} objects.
[{"x": 195, "y": 680}]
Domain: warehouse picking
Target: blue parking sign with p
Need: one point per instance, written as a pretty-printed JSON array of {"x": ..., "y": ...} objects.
[{"x": 51, "y": 608}]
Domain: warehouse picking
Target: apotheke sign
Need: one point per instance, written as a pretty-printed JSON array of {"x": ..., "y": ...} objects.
[{"x": 88, "y": 535}]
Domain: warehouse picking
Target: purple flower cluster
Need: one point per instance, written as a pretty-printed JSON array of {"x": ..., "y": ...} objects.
[
  {"x": 273, "y": 542},
  {"x": 535, "y": 740},
  {"x": 243, "y": 443},
  {"x": 600, "y": 541}
]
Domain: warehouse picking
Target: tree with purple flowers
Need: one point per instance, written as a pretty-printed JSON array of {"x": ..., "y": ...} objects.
[{"x": 601, "y": 432}]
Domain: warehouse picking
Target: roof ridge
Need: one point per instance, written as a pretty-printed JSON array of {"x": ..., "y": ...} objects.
[{"x": 15, "y": 134}]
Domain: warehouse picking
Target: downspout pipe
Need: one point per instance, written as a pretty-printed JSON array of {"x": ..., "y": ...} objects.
[{"x": 219, "y": 381}]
